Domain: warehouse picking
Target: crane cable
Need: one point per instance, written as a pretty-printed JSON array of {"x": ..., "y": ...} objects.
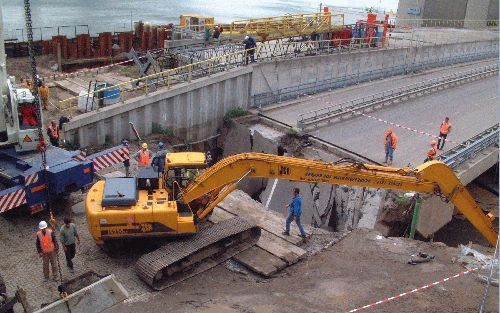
[{"x": 42, "y": 146}]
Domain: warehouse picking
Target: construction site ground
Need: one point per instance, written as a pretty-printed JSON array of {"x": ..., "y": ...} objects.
[{"x": 362, "y": 268}]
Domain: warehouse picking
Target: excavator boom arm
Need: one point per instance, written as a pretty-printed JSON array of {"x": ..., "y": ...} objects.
[{"x": 430, "y": 177}]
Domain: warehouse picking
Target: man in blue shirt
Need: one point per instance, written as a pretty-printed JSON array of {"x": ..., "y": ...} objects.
[{"x": 294, "y": 212}]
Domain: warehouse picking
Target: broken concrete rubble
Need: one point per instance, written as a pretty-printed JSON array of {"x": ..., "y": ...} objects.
[{"x": 336, "y": 208}]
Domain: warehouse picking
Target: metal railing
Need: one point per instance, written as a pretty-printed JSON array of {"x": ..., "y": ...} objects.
[
  {"x": 295, "y": 92},
  {"x": 271, "y": 50},
  {"x": 268, "y": 51},
  {"x": 291, "y": 25},
  {"x": 470, "y": 148},
  {"x": 441, "y": 23},
  {"x": 338, "y": 111}
]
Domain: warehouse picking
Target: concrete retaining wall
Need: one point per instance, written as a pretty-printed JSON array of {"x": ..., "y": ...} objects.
[
  {"x": 194, "y": 111},
  {"x": 281, "y": 74}
]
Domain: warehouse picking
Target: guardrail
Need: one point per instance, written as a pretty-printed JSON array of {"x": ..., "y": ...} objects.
[
  {"x": 267, "y": 51},
  {"x": 340, "y": 111},
  {"x": 440, "y": 23},
  {"x": 470, "y": 148}
]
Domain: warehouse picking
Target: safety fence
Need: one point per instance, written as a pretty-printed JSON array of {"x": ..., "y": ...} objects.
[
  {"x": 294, "y": 92},
  {"x": 471, "y": 147},
  {"x": 272, "y": 51},
  {"x": 340, "y": 111}
]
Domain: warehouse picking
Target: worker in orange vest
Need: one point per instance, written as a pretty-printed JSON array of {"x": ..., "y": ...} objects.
[
  {"x": 53, "y": 132},
  {"x": 43, "y": 91},
  {"x": 444, "y": 130},
  {"x": 431, "y": 154},
  {"x": 143, "y": 156},
  {"x": 46, "y": 245},
  {"x": 390, "y": 144}
]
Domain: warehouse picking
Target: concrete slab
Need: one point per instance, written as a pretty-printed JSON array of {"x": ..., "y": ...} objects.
[{"x": 92, "y": 299}]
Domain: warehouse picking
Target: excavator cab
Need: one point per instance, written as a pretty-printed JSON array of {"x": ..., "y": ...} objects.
[
  {"x": 181, "y": 168},
  {"x": 146, "y": 205}
]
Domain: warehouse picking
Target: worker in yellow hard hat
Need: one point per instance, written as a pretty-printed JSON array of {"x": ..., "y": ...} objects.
[{"x": 143, "y": 156}]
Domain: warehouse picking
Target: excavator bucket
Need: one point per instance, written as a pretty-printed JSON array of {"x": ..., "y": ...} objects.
[{"x": 87, "y": 293}]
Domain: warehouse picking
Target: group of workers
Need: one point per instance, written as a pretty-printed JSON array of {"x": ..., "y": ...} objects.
[
  {"x": 47, "y": 246},
  {"x": 27, "y": 111},
  {"x": 43, "y": 90},
  {"x": 391, "y": 142}
]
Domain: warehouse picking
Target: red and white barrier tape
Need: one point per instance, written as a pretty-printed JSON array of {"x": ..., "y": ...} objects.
[
  {"x": 419, "y": 132},
  {"x": 95, "y": 68},
  {"x": 411, "y": 291},
  {"x": 86, "y": 70}
]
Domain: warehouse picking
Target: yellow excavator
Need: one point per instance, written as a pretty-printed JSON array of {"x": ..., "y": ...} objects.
[{"x": 175, "y": 201}]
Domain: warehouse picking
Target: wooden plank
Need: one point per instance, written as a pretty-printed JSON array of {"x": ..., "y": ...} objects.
[
  {"x": 260, "y": 261},
  {"x": 265, "y": 219}
]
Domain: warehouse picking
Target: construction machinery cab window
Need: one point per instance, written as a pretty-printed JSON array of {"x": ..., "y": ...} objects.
[
  {"x": 181, "y": 168},
  {"x": 181, "y": 176},
  {"x": 26, "y": 109}
]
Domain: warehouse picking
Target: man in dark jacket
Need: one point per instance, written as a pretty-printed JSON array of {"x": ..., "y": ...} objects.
[
  {"x": 250, "y": 45},
  {"x": 69, "y": 239}
]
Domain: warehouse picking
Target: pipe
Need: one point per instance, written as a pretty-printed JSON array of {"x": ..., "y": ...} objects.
[{"x": 3, "y": 81}]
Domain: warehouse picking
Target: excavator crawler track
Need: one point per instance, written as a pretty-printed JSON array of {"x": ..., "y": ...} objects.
[{"x": 186, "y": 257}]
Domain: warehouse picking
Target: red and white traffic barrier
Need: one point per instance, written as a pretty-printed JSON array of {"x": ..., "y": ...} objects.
[
  {"x": 30, "y": 179},
  {"x": 111, "y": 158},
  {"x": 12, "y": 200}
]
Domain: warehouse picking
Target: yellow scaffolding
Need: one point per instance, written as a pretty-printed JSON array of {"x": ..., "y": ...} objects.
[{"x": 293, "y": 25}]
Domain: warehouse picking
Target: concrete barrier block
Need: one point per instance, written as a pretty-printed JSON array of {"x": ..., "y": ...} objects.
[
  {"x": 434, "y": 214},
  {"x": 94, "y": 298}
]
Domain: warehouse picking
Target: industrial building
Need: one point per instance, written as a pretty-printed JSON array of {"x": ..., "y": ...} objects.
[{"x": 468, "y": 11}]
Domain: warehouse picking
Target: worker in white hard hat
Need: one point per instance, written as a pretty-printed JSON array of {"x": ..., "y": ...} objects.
[
  {"x": 143, "y": 156},
  {"x": 46, "y": 245}
]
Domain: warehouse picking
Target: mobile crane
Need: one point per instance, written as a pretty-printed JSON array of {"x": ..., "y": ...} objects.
[
  {"x": 31, "y": 173},
  {"x": 174, "y": 202}
]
